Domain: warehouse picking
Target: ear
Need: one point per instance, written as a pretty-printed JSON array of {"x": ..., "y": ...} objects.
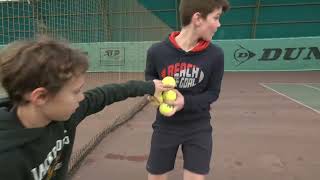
[
  {"x": 196, "y": 19},
  {"x": 38, "y": 96}
]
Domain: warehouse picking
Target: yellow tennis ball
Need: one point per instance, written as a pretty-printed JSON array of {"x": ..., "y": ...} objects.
[
  {"x": 169, "y": 96},
  {"x": 160, "y": 99},
  {"x": 169, "y": 81},
  {"x": 165, "y": 109}
]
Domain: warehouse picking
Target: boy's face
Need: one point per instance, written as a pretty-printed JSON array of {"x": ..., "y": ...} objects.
[
  {"x": 208, "y": 26},
  {"x": 61, "y": 106}
]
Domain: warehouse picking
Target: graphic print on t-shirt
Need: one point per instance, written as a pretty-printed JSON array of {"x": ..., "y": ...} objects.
[{"x": 187, "y": 75}]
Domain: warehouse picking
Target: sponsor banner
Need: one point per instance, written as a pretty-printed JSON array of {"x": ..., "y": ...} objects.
[
  {"x": 281, "y": 54},
  {"x": 288, "y": 54},
  {"x": 116, "y": 56}
]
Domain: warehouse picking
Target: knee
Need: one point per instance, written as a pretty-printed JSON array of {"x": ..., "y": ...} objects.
[
  {"x": 157, "y": 176},
  {"x": 188, "y": 175}
]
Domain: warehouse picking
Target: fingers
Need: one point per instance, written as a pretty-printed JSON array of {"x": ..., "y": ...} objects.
[
  {"x": 166, "y": 87},
  {"x": 160, "y": 87},
  {"x": 157, "y": 99},
  {"x": 160, "y": 84}
]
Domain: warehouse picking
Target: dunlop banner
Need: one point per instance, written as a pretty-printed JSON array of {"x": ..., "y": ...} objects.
[
  {"x": 289, "y": 54},
  {"x": 286, "y": 54}
]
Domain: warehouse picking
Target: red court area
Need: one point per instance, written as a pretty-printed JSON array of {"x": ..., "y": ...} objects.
[{"x": 257, "y": 134}]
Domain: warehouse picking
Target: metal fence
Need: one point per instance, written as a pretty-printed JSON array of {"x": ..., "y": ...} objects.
[{"x": 149, "y": 20}]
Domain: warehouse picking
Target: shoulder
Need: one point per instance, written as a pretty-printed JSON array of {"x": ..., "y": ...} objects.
[
  {"x": 216, "y": 49},
  {"x": 217, "y": 54},
  {"x": 157, "y": 47}
]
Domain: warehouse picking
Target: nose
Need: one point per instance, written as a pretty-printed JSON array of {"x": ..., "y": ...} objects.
[{"x": 218, "y": 24}]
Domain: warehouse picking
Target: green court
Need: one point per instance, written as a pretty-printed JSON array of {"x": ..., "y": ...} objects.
[{"x": 306, "y": 94}]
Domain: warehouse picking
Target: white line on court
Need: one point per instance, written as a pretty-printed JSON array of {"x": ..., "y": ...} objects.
[
  {"x": 315, "y": 110},
  {"x": 291, "y": 83},
  {"x": 309, "y": 86}
]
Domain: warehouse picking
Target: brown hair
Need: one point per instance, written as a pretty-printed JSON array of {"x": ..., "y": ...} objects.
[
  {"x": 188, "y": 8},
  {"x": 27, "y": 65}
]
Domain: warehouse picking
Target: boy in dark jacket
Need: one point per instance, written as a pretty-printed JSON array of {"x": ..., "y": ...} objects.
[
  {"x": 197, "y": 66},
  {"x": 44, "y": 81}
]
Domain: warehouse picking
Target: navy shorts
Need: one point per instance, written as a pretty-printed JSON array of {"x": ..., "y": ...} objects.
[{"x": 196, "y": 147}]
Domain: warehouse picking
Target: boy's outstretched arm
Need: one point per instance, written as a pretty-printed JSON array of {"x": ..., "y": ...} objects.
[{"x": 97, "y": 98}]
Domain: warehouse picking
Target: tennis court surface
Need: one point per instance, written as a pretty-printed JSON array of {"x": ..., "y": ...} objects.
[{"x": 266, "y": 126}]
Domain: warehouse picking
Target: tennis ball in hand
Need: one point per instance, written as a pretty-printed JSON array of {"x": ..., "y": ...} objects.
[
  {"x": 165, "y": 109},
  {"x": 169, "y": 81},
  {"x": 160, "y": 99},
  {"x": 169, "y": 96}
]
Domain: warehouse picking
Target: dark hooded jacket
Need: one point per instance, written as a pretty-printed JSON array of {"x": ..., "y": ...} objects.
[
  {"x": 44, "y": 153},
  {"x": 198, "y": 74}
]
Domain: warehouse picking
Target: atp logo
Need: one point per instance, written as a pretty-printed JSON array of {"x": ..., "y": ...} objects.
[{"x": 242, "y": 55}]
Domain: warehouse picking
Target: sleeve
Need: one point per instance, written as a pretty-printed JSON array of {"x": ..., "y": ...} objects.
[
  {"x": 96, "y": 99},
  {"x": 150, "y": 70},
  {"x": 202, "y": 101}
]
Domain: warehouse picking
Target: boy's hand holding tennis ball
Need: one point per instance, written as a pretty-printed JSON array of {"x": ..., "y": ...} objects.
[{"x": 167, "y": 100}]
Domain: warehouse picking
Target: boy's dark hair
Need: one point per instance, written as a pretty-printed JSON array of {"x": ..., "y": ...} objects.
[
  {"x": 188, "y": 8},
  {"x": 27, "y": 65}
]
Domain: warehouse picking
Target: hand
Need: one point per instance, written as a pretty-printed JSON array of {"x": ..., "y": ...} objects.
[
  {"x": 159, "y": 87},
  {"x": 178, "y": 103}
]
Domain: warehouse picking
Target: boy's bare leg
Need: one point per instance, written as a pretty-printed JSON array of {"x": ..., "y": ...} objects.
[
  {"x": 157, "y": 177},
  {"x": 187, "y": 175}
]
